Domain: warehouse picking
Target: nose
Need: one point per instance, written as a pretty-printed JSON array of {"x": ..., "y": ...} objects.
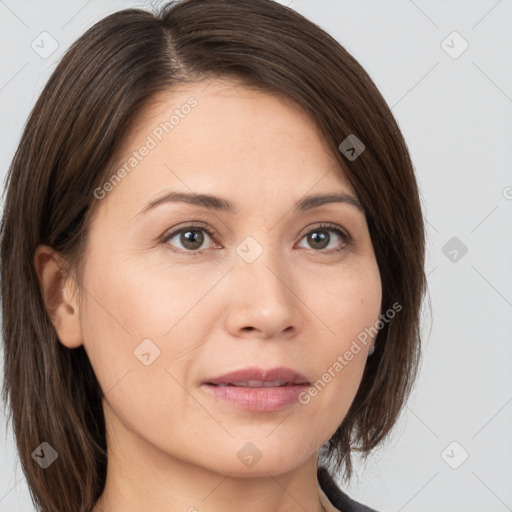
[{"x": 262, "y": 301}]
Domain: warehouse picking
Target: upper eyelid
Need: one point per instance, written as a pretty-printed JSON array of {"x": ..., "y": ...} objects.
[
  {"x": 191, "y": 224},
  {"x": 206, "y": 227},
  {"x": 325, "y": 225}
]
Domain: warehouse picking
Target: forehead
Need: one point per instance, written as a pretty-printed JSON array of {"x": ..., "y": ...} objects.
[{"x": 207, "y": 135}]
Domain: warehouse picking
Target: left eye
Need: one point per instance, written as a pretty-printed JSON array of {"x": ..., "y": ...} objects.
[
  {"x": 192, "y": 238},
  {"x": 319, "y": 238}
]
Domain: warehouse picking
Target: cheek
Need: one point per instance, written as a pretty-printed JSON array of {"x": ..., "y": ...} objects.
[
  {"x": 349, "y": 304},
  {"x": 350, "y": 309},
  {"x": 138, "y": 339},
  {"x": 140, "y": 323},
  {"x": 140, "y": 299}
]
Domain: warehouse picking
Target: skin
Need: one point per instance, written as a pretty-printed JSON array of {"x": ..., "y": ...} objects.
[{"x": 172, "y": 446}]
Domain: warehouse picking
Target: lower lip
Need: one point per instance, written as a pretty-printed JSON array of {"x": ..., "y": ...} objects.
[{"x": 258, "y": 399}]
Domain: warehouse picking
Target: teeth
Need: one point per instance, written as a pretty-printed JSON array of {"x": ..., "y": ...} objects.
[{"x": 257, "y": 384}]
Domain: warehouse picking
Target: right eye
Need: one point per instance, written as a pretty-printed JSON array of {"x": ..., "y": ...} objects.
[{"x": 191, "y": 238}]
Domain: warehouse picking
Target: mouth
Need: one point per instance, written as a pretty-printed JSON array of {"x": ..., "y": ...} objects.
[
  {"x": 256, "y": 389},
  {"x": 257, "y": 384},
  {"x": 255, "y": 377}
]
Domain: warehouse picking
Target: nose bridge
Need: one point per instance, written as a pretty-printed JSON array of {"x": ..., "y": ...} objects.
[
  {"x": 259, "y": 261},
  {"x": 264, "y": 297}
]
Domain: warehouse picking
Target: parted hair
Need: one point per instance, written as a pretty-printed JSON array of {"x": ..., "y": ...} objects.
[{"x": 67, "y": 148}]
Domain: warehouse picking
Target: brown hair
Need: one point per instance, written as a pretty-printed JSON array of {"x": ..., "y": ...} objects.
[{"x": 78, "y": 123}]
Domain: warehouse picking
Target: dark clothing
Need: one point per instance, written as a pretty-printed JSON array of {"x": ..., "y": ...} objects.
[{"x": 336, "y": 496}]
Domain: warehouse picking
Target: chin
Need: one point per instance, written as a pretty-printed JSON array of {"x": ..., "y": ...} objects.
[{"x": 256, "y": 458}]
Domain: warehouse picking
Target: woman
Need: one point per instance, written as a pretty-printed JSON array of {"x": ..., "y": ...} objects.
[{"x": 212, "y": 266}]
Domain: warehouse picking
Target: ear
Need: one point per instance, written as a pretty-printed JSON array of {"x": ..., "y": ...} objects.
[{"x": 59, "y": 295}]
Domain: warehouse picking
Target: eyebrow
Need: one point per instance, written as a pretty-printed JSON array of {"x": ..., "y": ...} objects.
[{"x": 217, "y": 203}]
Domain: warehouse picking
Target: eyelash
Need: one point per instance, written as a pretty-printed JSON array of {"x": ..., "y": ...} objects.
[{"x": 211, "y": 233}]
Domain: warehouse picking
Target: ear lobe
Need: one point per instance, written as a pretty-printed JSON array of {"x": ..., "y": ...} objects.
[{"x": 58, "y": 291}]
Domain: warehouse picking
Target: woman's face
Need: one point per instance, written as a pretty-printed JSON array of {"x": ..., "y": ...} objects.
[{"x": 179, "y": 293}]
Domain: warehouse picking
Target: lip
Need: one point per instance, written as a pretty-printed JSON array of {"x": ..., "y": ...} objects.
[
  {"x": 259, "y": 374},
  {"x": 257, "y": 389}
]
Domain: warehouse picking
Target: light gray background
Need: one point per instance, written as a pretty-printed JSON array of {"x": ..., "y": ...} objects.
[{"x": 456, "y": 116}]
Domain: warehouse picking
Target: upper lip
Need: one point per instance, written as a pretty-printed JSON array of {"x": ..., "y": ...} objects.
[{"x": 282, "y": 374}]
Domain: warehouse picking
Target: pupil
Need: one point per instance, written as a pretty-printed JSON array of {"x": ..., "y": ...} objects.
[
  {"x": 319, "y": 236},
  {"x": 189, "y": 238}
]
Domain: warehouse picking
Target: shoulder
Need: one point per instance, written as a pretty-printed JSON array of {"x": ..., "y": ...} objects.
[{"x": 336, "y": 496}]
